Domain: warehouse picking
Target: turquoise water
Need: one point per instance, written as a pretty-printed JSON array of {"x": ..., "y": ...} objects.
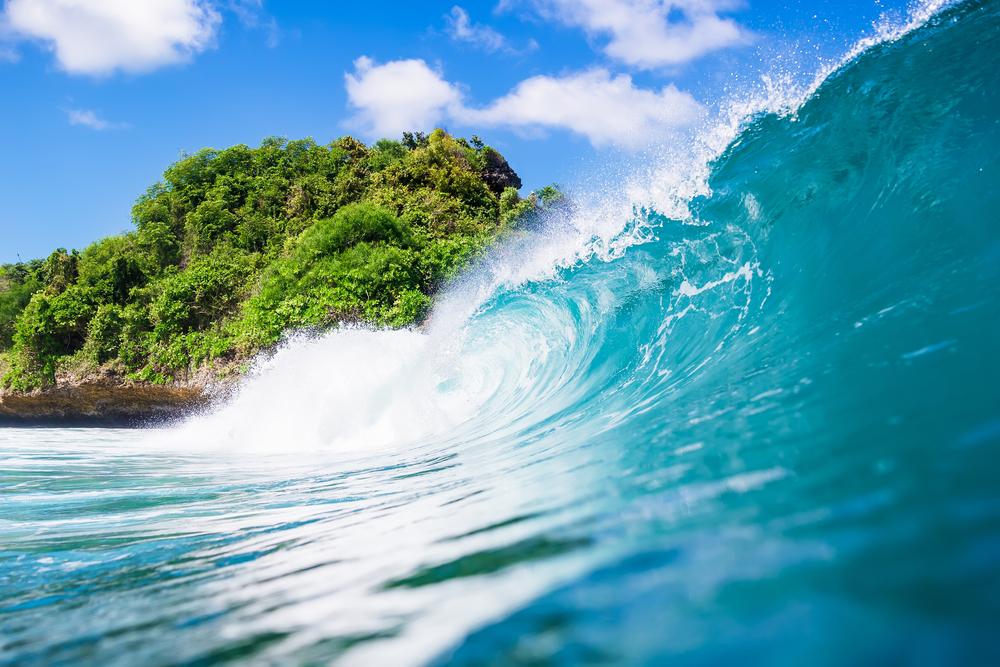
[{"x": 765, "y": 434}]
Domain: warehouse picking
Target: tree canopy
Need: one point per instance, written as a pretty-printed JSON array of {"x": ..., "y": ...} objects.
[{"x": 234, "y": 247}]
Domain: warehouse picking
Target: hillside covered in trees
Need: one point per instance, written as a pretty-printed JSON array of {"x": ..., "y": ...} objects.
[{"x": 235, "y": 247}]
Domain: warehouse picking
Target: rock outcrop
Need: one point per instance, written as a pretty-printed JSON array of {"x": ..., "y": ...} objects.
[{"x": 108, "y": 400}]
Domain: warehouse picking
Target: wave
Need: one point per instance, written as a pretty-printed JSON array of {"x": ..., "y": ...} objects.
[{"x": 751, "y": 400}]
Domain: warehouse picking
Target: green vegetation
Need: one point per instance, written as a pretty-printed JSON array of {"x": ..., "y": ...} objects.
[{"x": 235, "y": 247}]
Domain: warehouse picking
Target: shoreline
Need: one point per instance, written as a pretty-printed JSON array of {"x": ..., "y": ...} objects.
[{"x": 108, "y": 402}]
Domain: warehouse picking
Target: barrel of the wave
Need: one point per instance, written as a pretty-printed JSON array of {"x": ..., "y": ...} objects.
[{"x": 800, "y": 425}]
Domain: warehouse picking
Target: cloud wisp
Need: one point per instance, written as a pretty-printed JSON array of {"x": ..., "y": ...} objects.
[
  {"x": 608, "y": 110},
  {"x": 251, "y": 15},
  {"x": 8, "y": 50},
  {"x": 460, "y": 27},
  {"x": 99, "y": 37},
  {"x": 91, "y": 119}
]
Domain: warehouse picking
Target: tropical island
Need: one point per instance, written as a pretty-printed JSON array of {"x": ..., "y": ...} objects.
[{"x": 235, "y": 248}]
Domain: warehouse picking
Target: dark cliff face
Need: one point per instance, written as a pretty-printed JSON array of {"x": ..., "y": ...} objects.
[{"x": 498, "y": 173}]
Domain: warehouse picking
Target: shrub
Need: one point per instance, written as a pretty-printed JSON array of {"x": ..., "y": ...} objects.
[
  {"x": 18, "y": 282},
  {"x": 112, "y": 267},
  {"x": 206, "y": 291},
  {"x": 50, "y": 327},
  {"x": 104, "y": 333},
  {"x": 211, "y": 220},
  {"x": 353, "y": 224},
  {"x": 60, "y": 270}
]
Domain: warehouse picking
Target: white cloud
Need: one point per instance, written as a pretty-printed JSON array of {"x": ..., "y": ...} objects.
[
  {"x": 607, "y": 110},
  {"x": 101, "y": 36},
  {"x": 649, "y": 33},
  {"x": 407, "y": 95},
  {"x": 460, "y": 28},
  {"x": 399, "y": 96},
  {"x": 88, "y": 118}
]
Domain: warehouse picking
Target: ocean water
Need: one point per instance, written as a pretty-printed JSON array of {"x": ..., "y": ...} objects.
[{"x": 750, "y": 416}]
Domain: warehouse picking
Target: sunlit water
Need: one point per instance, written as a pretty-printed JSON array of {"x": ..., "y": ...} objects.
[{"x": 758, "y": 424}]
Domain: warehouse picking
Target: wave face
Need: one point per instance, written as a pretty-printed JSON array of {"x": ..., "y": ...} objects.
[{"x": 758, "y": 426}]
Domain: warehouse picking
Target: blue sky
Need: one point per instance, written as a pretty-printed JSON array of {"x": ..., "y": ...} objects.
[{"x": 99, "y": 96}]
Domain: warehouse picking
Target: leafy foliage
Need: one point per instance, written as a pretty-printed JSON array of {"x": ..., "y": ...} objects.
[
  {"x": 234, "y": 247},
  {"x": 17, "y": 283}
]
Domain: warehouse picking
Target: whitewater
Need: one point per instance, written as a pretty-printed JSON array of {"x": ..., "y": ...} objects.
[{"x": 742, "y": 409}]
